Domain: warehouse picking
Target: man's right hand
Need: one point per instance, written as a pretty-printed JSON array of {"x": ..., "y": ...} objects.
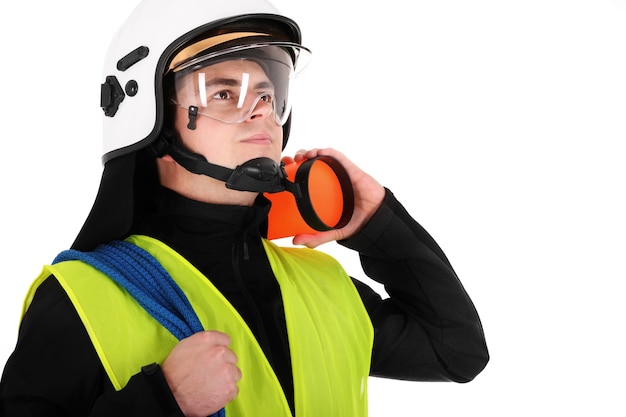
[{"x": 202, "y": 373}]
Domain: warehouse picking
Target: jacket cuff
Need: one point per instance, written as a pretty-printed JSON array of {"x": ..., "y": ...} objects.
[
  {"x": 367, "y": 240},
  {"x": 162, "y": 393}
]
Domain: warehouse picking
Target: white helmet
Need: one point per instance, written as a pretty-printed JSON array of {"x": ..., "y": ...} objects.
[
  {"x": 133, "y": 100},
  {"x": 143, "y": 48}
]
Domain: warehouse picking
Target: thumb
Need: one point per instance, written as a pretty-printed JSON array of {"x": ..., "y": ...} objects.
[{"x": 312, "y": 240}]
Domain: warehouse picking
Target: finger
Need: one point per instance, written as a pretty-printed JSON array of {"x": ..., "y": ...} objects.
[
  {"x": 238, "y": 374},
  {"x": 303, "y": 154},
  {"x": 300, "y": 155},
  {"x": 217, "y": 337},
  {"x": 305, "y": 240},
  {"x": 229, "y": 356},
  {"x": 312, "y": 240}
]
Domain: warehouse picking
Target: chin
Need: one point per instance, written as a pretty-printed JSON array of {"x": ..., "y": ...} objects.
[{"x": 271, "y": 155}]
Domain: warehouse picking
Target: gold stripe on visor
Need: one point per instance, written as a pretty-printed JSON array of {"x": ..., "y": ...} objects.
[{"x": 198, "y": 47}]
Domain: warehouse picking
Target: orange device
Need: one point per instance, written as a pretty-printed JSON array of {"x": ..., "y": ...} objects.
[{"x": 326, "y": 199}]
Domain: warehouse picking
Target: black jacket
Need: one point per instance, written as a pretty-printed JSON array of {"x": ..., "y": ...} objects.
[{"x": 427, "y": 330}]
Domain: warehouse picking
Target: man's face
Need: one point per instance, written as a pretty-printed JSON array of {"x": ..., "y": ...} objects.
[{"x": 235, "y": 121}]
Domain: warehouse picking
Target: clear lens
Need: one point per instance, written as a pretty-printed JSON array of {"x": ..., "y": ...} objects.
[{"x": 235, "y": 86}]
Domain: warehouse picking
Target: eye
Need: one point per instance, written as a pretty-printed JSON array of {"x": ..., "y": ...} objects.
[
  {"x": 222, "y": 95},
  {"x": 267, "y": 98}
]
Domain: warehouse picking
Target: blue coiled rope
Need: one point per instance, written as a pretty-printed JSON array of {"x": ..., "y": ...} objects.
[{"x": 147, "y": 281}]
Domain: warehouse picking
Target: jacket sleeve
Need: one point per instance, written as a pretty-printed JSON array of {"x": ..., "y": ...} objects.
[
  {"x": 54, "y": 370},
  {"x": 427, "y": 329}
]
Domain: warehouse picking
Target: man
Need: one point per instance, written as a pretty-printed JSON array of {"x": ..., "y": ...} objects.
[{"x": 173, "y": 303}]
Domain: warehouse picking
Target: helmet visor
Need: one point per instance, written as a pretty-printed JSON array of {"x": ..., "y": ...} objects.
[{"x": 234, "y": 85}]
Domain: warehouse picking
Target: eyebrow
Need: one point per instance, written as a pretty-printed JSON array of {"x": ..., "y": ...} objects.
[{"x": 231, "y": 82}]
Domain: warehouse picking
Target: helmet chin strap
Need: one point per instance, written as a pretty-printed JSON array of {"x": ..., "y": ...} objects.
[{"x": 261, "y": 175}]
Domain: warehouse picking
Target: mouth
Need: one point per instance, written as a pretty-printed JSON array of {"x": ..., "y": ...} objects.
[{"x": 259, "y": 139}]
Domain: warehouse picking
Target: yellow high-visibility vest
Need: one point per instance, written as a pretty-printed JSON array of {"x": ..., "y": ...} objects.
[{"x": 330, "y": 332}]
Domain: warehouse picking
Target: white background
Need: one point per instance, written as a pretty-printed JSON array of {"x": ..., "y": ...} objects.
[{"x": 498, "y": 124}]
